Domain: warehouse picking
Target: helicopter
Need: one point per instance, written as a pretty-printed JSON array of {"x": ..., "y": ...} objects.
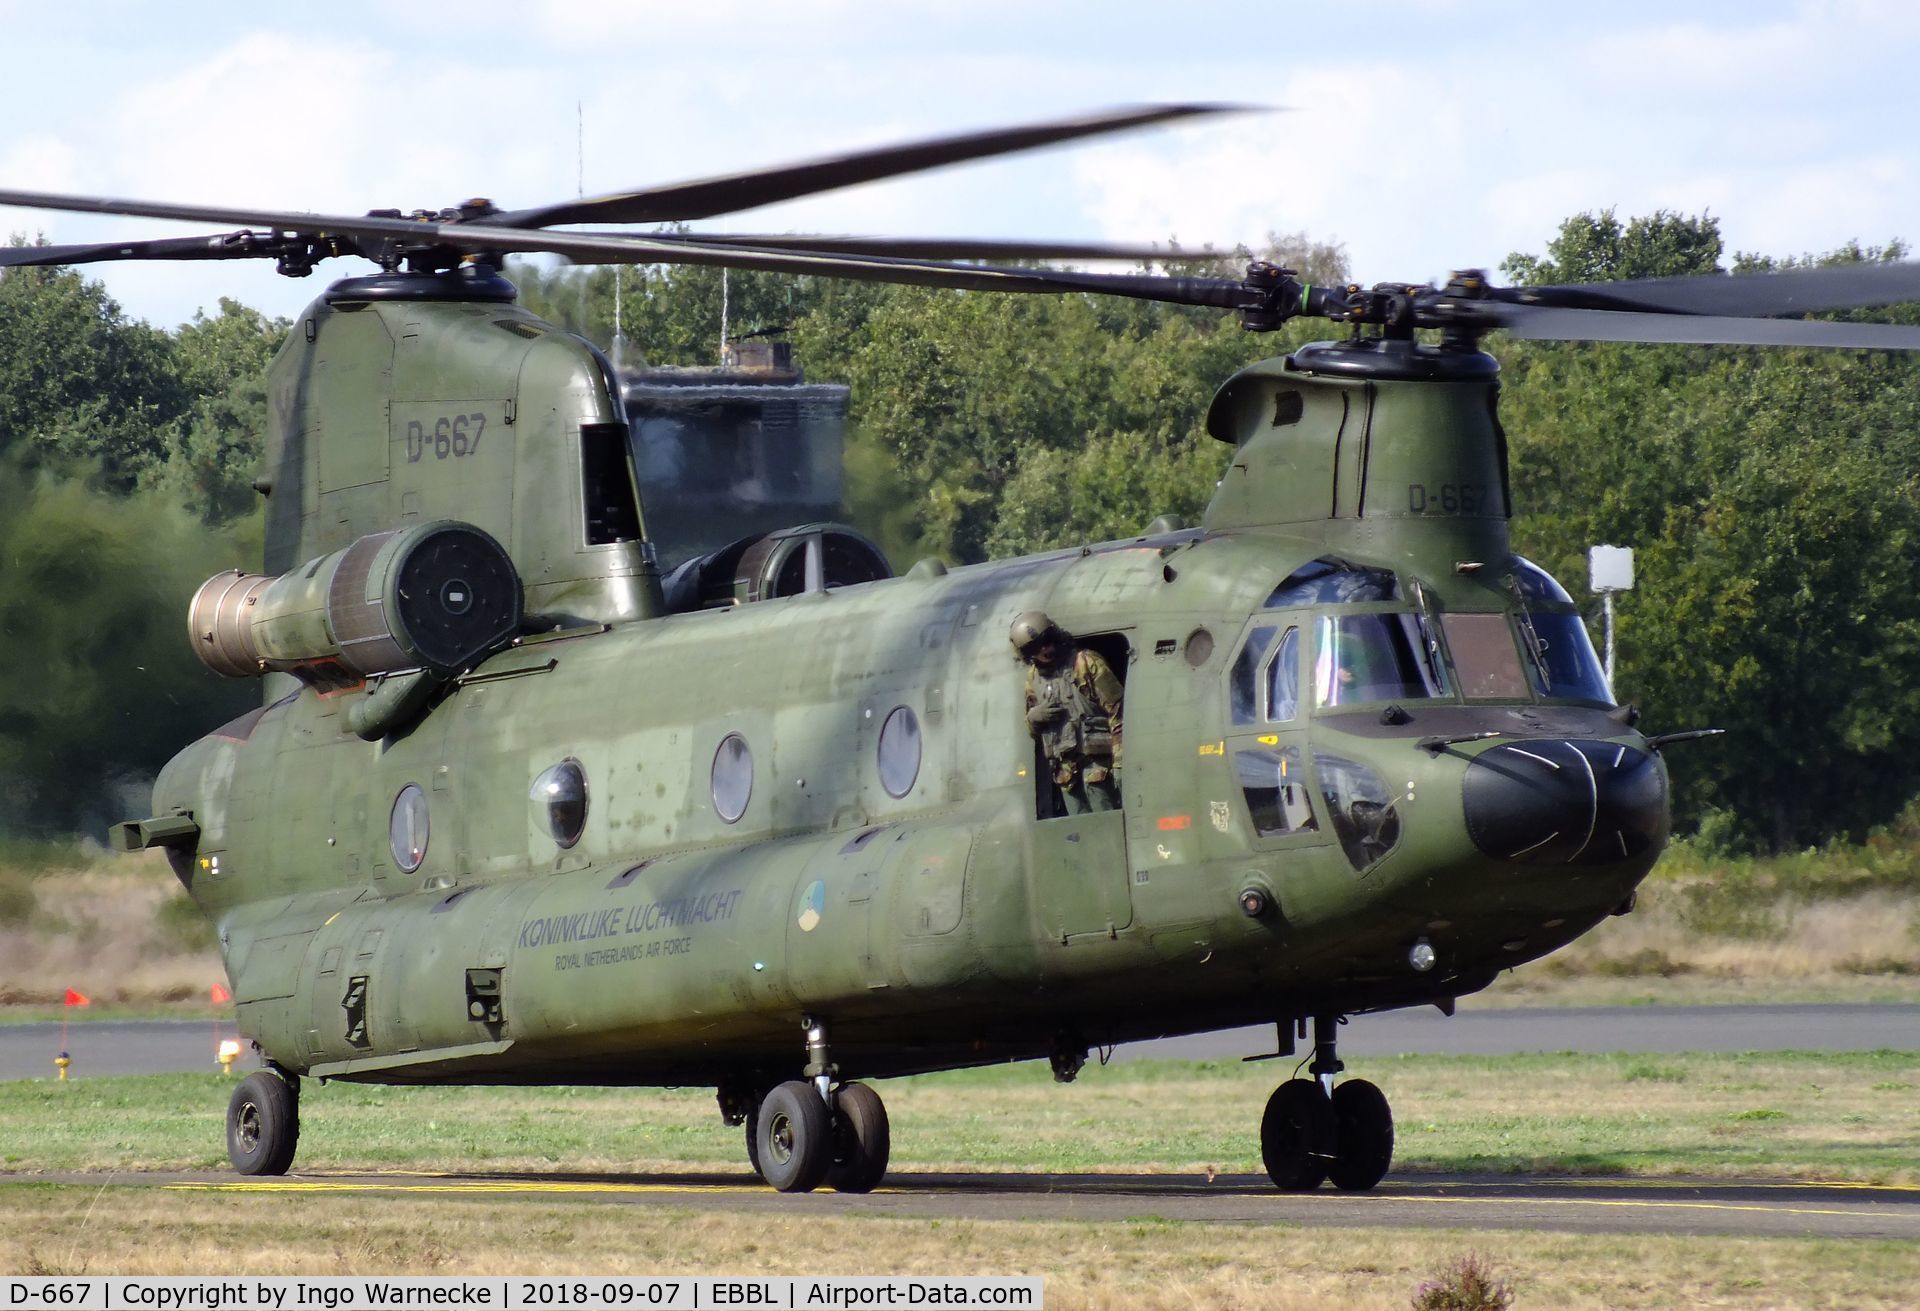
[{"x": 518, "y": 809}]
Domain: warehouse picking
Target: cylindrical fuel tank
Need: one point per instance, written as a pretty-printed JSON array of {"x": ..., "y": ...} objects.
[{"x": 435, "y": 596}]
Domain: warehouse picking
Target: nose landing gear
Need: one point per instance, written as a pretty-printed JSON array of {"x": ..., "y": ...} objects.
[{"x": 1314, "y": 1130}]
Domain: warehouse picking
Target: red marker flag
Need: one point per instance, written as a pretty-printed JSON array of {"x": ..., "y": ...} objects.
[
  {"x": 220, "y": 994},
  {"x": 77, "y": 998}
]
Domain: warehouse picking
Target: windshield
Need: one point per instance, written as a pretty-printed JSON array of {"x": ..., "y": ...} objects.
[
  {"x": 1560, "y": 655},
  {"x": 1566, "y": 665},
  {"x": 1378, "y": 657},
  {"x": 1485, "y": 657}
]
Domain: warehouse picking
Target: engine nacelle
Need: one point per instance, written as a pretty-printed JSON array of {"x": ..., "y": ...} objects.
[{"x": 436, "y": 596}]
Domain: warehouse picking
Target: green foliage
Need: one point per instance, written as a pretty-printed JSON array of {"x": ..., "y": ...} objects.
[
  {"x": 101, "y": 688},
  {"x": 1468, "y": 1284},
  {"x": 215, "y": 450},
  {"x": 1597, "y": 248},
  {"x": 78, "y": 380},
  {"x": 1773, "y": 502}
]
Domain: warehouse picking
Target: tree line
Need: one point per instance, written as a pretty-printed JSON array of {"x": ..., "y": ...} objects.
[{"x": 1772, "y": 497}]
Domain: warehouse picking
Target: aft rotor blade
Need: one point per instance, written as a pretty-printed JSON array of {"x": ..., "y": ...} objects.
[
  {"x": 1789, "y": 291},
  {"x": 707, "y": 197},
  {"x": 584, "y": 247},
  {"x": 1700, "y": 329}
]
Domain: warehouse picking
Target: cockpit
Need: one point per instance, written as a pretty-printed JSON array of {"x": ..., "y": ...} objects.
[
  {"x": 1337, "y": 636},
  {"x": 1373, "y": 639}
]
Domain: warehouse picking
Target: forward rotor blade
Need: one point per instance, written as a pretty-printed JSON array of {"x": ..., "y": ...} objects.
[
  {"x": 970, "y": 248},
  {"x": 725, "y": 195},
  {"x": 279, "y": 220},
  {"x": 1699, "y": 329},
  {"x": 227, "y": 245},
  {"x": 1789, "y": 291}
]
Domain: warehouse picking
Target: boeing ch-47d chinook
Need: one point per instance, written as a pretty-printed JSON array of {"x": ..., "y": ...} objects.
[{"x": 518, "y": 810}]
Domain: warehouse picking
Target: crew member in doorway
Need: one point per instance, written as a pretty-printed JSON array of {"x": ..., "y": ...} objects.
[{"x": 1073, "y": 711}]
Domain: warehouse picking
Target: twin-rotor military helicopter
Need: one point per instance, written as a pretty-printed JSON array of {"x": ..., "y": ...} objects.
[{"x": 518, "y": 810}]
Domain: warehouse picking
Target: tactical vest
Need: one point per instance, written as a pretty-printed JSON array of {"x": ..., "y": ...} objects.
[{"x": 1085, "y": 730}]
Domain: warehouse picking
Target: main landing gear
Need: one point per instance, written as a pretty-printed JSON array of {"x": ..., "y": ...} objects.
[
  {"x": 1314, "y": 1131},
  {"x": 807, "y": 1132},
  {"x": 263, "y": 1122}
]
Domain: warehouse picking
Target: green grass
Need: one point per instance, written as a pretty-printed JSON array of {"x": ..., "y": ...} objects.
[{"x": 1802, "y": 1115}]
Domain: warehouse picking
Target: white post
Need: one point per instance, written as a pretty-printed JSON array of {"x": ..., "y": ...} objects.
[
  {"x": 1609, "y": 570},
  {"x": 1606, "y": 598}
]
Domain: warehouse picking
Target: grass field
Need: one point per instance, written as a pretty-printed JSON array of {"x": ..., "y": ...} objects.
[
  {"x": 1841, "y": 1116},
  {"x": 1142, "y": 1264},
  {"x": 1814, "y": 1117}
]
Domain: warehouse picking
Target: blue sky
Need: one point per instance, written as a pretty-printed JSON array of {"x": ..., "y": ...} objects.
[{"x": 1424, "y": 136}]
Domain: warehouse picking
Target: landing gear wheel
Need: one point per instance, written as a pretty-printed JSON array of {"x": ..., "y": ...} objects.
[
  {"x": 263, "y": 1124},
  {"x": 861, "y": 1140},
  {"x": 794, "y": 1138},
  {"x": 1363, "y": 1136},
  {"x": 1297, "y": 1136}
]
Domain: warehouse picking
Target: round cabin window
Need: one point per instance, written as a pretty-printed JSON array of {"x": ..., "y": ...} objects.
[
  {"x": 899, "y": 752},
  {"x": 407, "y": 828},
  {"x": 560, "y": 802},
  {"x": 732, "y": 778}
]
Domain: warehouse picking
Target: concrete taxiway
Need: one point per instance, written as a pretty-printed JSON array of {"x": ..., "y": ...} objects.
[
  {"x": 110, "y": 1047},
  {"x": 1752, "y": 1208}
]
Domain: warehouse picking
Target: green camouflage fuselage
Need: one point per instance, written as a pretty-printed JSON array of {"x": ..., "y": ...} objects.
[{"x": 951, "y": 925}]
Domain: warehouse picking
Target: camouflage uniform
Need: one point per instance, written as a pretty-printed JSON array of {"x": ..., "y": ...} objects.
[{"x": 1078, "y": 701}]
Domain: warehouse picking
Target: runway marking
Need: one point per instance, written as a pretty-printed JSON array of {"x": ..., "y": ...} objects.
[
  {"x": 466, "y": 1186},
  {"x": 556, "y": 1187}
]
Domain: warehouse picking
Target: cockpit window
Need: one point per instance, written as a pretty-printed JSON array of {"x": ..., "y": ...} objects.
[
  {"x": 1563, "y": 663},
  {"x": 1376, "y": 657},
  {"x": 1256, "y": 675},
  {"x": 1485, "y": 657},
  {"x": 1334, "y": 582},
  {"x": 1560, "y": 658},
  {"x": 1536, "y": 585},
  {"x": 1244, "y": 685},
  {"x": 1283, "y": 679}
]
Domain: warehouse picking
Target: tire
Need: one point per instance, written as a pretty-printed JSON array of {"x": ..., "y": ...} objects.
[
  {"x": 795, "y": 1138},
  {"x": 753, "y": 1143},
  {"x": 1363, "y": 1136},
  {"x": 1297, "y": 1136},
  {"x": 862, "y": 1140},
  {"x": 263, "y": 1124}
]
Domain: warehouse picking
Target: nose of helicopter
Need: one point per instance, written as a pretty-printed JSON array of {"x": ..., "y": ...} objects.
[{"x": 1561, "y": 802}]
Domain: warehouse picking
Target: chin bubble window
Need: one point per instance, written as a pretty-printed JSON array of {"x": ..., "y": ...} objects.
[
  {"x": 899, "y": 752},
  {"x": 732, "y": 778},
  {"x": 559, "y": 798},
  {"x": 407, "y": 828},
  {"x": 1362, "y": 814}
]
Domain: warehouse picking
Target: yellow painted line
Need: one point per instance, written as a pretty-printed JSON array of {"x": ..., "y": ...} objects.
[{"x": 471, "y": 1186}]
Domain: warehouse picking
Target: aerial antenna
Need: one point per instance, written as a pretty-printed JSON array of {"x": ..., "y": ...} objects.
[{"x": 580, "y": 190}]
